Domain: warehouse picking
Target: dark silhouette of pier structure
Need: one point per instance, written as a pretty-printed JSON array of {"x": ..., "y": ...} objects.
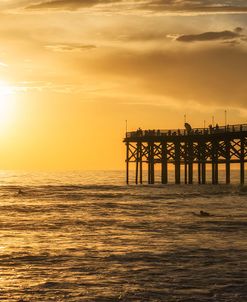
[{"x": 193, "y": 148}]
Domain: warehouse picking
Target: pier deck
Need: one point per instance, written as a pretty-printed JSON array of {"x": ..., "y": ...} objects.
[{"x": 194, "y": 149}]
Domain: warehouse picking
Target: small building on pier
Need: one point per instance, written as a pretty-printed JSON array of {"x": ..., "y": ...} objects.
[{"x": 193, "y": 148}]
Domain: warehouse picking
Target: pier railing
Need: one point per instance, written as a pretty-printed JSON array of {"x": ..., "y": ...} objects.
[{"x": 195, "y": 131}]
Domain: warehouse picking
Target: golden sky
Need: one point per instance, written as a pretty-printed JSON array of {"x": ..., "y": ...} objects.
[{"x": 72, "y": 72}]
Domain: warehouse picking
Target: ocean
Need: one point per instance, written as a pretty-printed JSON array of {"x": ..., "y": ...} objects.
[{"x": 86, "y": 236}]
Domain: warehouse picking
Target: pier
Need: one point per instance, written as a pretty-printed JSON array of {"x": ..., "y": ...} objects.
[{"x": 190, "y": 150}]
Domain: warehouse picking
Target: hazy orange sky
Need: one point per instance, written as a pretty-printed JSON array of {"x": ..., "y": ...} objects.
[{"x": 72, "y": 72}]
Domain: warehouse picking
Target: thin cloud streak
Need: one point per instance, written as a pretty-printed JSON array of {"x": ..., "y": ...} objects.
[
  {"x": 71, "y": 47},
  {"x": 69, "y": 4},
  {"x": 211, "y": 36},
  {"x": 151, "y": 6},
  {"x": 201, "y": 6}
]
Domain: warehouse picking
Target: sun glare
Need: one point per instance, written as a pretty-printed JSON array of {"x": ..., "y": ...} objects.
[{"x": 6, "y": 104}]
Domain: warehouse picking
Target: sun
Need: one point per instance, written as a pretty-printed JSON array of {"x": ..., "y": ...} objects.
[{"x": 6, "y": 104}]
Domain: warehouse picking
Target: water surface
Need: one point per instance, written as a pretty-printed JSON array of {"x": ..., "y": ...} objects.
[{"x": 89, "y": 237}]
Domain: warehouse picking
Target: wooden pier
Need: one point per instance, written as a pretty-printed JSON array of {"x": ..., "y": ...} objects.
[{"x": 194, "y": 149}]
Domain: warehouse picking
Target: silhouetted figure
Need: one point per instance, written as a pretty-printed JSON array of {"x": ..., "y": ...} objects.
[
  {"x": 188, "y": 128},
  {"x": 202, "y": 214},
  {"x": 205, "y": 214},
  {"x": 139, "y": 132},
  {"x": 20, "y": 192}
]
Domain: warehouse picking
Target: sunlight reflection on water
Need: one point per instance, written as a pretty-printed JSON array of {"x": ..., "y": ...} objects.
[{"x": 88, "y": 237}]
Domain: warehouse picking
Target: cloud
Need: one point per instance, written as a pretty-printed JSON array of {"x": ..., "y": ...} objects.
[
  {"x": 71, "y": 47},
  {"x": 68, "y": 4},
  {"x": 211, "y": 36},
  {"x": 175, "y": 6},
  {"x": 214, "y": 76},
  {"x": 238, "y": 29},
  {"x": 200, "y": 6}
]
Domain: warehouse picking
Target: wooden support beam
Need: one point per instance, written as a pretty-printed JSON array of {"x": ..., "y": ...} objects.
[
  {"x": 185, "y": 163},
  {"x": 213, "y": 173},
  {"x": 191, "y": 158},
  {"x": 203, "y": 161},
  {"x": 149, "y": 167},
  {"x": 216, "y": 172},
  {"x": 228, "y": 160},
  {"x": 151, "y": 163},
  {"x": 164, "y": 169},
  {"x": 213, "y": 165},
  {"x": 228, "y": 173},
  {"x": 137, "y": 163},
  {"x": 127, "y": 163},
  {"x": 199, "y": 155},
  {"x": 214, "y": 156},
  {"x": 191, "y": 173},
  {"x": 242, "y": 153},
  {"x": 140, "y": 156},
  {"x": 177, "y": 162},
  {"x": 185, "y": 172},
  {"x": 216, "y": 162},
  {"x": 204, "y": 173},
  {"x": 242, "y": 174},
  {"x": 199, "y": 173}
]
